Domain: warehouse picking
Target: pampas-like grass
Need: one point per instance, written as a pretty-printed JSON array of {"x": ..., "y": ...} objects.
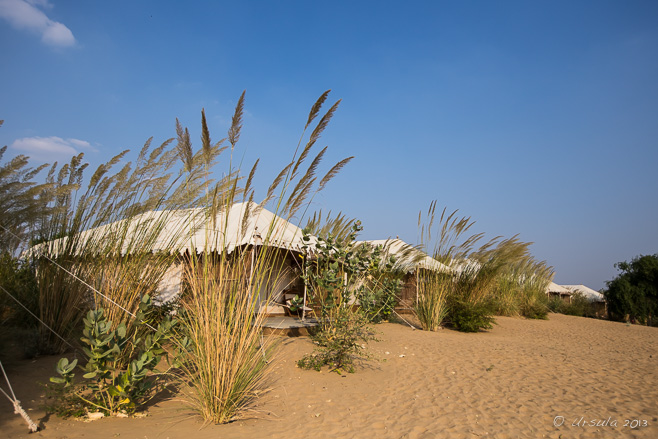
[
  {"x": 226, "y": 365},
  {"x": 98, "y": 249},
  {"x": 227, "y": 362},
  {"x": 432, "y": 304}
]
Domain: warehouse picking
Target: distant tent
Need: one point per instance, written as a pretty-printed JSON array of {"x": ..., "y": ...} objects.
[
  {"x": 590, "y": 294},
  {"x": 596, "y": 299},
  {"x": 409, "y": 260},
  {"x": 555, "y": 290}
]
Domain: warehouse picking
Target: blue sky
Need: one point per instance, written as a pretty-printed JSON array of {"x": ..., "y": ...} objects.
[{"x": 531, "y": 117}]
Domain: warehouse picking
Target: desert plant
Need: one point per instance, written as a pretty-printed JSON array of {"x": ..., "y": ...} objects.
[
  {"x": 633, "y": 294},
  {"x": 534, "y": 305},
  {"x": 577, "y": 306},
  {"x": 433, "y": 289},
  {"x": 521, "y": 288},
  {"x": 499, "y": 276},
  {"x": 337, "y": 274},
  {"x": 227, "y": 364},
  {"x": 379, "y": 297},
  {"x": 338, "y": 226},
  {"x": 296, "y": 304},
  {"x": 20, "y": 201},
  {"x": 377, "y": 291},
  {"x": 340, "y": 344},
  {"x": 108, "y": 386},
  {"x": 18, "y": 292},
  {"x": 556, "y": 305},
  {"x": 471, "y": 317}
]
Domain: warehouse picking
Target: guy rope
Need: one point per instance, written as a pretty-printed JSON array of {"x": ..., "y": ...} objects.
[{"x": 17, "y": 404}]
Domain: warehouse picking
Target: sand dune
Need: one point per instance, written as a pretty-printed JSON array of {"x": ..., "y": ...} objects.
[{"x": 555, "y": 378}]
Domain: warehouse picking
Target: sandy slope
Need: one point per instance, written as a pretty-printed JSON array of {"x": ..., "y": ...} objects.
[{"x": 510, "y": 382}]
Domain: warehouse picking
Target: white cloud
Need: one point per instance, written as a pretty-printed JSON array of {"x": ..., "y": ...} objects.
[
  {"x": 50, "y": 146},
  {"x": 80, "y": 143},
  {"x": 24, "y": 14}
]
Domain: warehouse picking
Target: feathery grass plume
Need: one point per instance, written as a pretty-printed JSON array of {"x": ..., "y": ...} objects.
[
  {"x": 481, "y": 275},
  {"x": 226, "y": 286},
  {"x": 250, "y": 180},
  {"x": 534, "y": 301},
  {"x": 308, "y": 177},
  {"x": 184, "y": 146},
  {"x": 206, "y": 143},
  {"x": 477, "y": 275},
  {"x": 226, "y": 362},
  {"x": 276, "y": 182},
  {"x": 521, "y": 288},
  {"x": 333, "y": 172},
  {"x": 315, "y": 109},
  {"x": 339, "y": 226},
  {"x": 303, "y": 189},
  {"x": 110, "y": 242},
  {"x": 19, "y": 201},
  {"x": 451, "y": 247},
  {"x": 236, "y": 123},
  {"x": 324, "y": 122}
]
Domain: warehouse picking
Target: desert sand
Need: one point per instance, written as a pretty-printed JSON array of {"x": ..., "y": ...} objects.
[{"x": 568, "y": 377}]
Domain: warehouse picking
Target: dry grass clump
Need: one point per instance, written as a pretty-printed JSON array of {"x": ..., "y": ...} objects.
[
  {"x": 226, "y": 366},
  {"x": 432, "y": 304},
  {"x": 227, "y": 361},
  {"x": 497, "y": 277}
]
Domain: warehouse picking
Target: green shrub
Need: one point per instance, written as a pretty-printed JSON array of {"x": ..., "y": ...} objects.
[
  {"x": 534, "y": 310},
  {"x": 340, "y": 272},
  {"x": 18, "y": 280},
  {"x": 579, "y": 306},
  {"x": 534, "y": 304},
  {"x": 556, "y": 305},
  {"x": 106, "y": 387},
  {"x": 341, "y": 345},
  {"x": 379, "y": 298},
  {"x": 471, "y": 317}
]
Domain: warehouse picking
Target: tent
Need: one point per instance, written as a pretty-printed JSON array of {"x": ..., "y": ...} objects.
[
  {"x": 190, "y": 231},
  {"x": 555, "y": 290},
  {"x": 409, "y": 260},
  {"x": 590, "y": 294}
]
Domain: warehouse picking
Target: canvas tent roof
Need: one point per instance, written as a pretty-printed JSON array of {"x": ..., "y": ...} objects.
[
  {"x": 193, "y": 230},
  {"x": 590, "y": 294},
  {"x": 555, "y": 288},
  {"x": 408, "y": 257}
]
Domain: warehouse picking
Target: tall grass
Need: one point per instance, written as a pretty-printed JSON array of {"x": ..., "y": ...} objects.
[
  {"x": 433, "y": 289},
  {"x": 227, "y": 360},
  {"x": 521, "y": 288},
  {"x": 498, "y": 276},
  {"x": 110, "y": 244},
  {"x": 227, "y": 366},
  {"x": 451, "y": 247},
  {"x": 103, "y": 239}
]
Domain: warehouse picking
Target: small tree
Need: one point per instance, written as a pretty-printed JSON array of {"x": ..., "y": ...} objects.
[
  {"x": 634, "y": 293},
  {"x": 340, "y": 273}
]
